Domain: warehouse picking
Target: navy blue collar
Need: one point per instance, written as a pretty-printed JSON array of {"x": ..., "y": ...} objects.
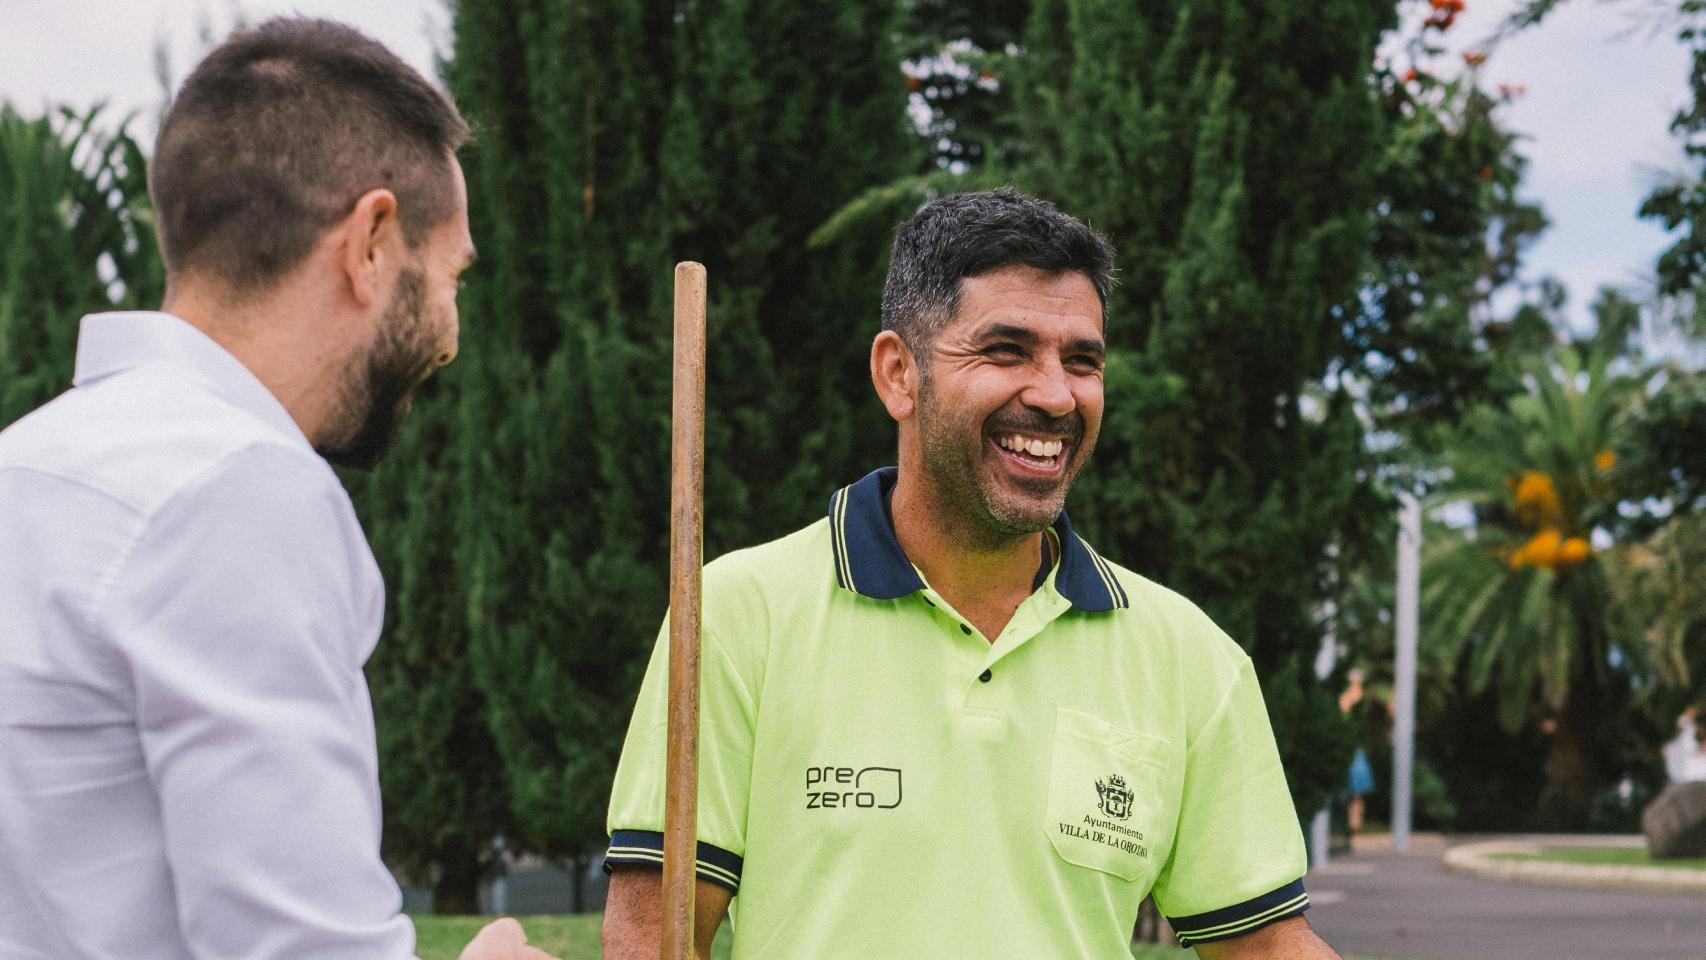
[{"x": 869, "y": 561}]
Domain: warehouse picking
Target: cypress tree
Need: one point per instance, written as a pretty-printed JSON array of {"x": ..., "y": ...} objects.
[
  {"x": 615, "y": 139},
  {"x": 1228, "y": 150},
  {"x": 441, "y": 784}
]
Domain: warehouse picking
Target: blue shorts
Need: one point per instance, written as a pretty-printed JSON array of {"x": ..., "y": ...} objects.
[{"x": 1361, "y": 778}]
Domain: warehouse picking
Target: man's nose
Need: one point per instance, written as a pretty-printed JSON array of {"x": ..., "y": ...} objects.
[{"x": 1050, "y": 391}]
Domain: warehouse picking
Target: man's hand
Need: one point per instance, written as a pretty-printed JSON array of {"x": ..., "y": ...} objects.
[
  {"x": 502, "y": 939},
  {"x": 1290, "y": 939}
]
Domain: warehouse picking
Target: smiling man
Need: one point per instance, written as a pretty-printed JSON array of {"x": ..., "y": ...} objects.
[{"x": 936, "y": 723}]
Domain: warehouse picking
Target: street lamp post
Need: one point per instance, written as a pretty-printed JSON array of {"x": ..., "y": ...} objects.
[{"x": 1404, "y": 670}]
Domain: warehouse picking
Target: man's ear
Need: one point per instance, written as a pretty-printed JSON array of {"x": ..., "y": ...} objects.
[
  {"x": 895, "y": 374},
  {"x": 372, "y": 244}
]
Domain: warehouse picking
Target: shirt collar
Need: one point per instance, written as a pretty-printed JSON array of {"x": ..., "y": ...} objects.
[
  {"x": 869, "y": 561},
  {"x": 113, "y": 343}
]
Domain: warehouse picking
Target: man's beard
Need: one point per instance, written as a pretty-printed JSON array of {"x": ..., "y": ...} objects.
[
  {"x": 954, "y": 460},
  {"x": 377, "y": 385}
]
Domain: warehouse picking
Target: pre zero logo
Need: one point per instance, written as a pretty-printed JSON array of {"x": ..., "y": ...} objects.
[{"x": 867, "y": 788}]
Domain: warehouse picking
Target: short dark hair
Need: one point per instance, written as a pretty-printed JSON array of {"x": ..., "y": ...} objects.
[
  {"x": 968, "y": 234},
  {"x": 276, "y": 135}
]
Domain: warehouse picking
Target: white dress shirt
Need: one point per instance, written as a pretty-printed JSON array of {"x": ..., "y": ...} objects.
[{"x": 187, "y": 757}]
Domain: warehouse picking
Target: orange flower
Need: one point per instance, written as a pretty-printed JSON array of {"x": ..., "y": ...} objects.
[
  {"x": 1543, "y": 549},
  {"x": 1574, "y": 550},
  {"x": 1410, "y": 75},
  {"x": 1604, "y": 460},
  {"x": 1486, "y": 173},
  {"x": 913, "y": 83},
  {"x": 1537, "y": 503},
  {"x": 1475, "y": 57}
]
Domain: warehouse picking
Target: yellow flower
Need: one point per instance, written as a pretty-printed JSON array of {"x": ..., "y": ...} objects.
[
  {"x": 1543, "y": 549},
  {"x": 1537, "y": 504},
  {"x": 1604, "y": 460},
  {"x": 1573, "y": 551}
]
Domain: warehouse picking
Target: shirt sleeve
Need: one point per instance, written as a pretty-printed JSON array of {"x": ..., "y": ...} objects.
[
  {"x": 244, "y": 613},
  {"x": 1238, "y": 860},
  {"x": 726, "y": 712}
]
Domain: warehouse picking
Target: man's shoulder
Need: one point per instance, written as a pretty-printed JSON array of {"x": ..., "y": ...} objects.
[
  {"x": 783, "y": 567},
  {"x": 141, "y": 438},
  {"x": 1163, "y": 615}
]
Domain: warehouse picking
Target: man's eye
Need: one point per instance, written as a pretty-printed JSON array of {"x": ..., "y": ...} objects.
[{"x": 1004, "y": 350}]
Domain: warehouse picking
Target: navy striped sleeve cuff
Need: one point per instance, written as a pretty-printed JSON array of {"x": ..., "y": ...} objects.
[
  {"x": 712, "y": 863},
  {"x": 1242, "y": 918}
]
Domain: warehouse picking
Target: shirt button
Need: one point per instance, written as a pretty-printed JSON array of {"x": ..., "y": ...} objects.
[
  {"x": 965, "y": 629},
  {"x": 985, "y": 676}
]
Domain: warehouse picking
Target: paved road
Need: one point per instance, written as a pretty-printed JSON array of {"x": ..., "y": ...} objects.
[
  {"x": 1380, "y": 904},
  {"x": 1411, "y": 907}
]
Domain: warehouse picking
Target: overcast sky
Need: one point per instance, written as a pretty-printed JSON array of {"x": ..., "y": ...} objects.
[{"x": 1602, "y": 83}]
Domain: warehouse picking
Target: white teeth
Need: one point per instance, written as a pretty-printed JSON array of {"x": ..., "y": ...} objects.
[{"x": 1036, "y": 448}]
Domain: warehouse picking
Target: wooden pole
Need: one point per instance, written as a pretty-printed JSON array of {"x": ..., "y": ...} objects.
[{"x": 686, "y": 529}]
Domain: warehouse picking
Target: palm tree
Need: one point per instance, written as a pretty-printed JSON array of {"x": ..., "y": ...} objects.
[
  {"x": 1664, "y": 594},
  {"x": 1663, "y": 581},
  {"x": 1521, "y": 599},
  {"x": 76, "y": 235}
]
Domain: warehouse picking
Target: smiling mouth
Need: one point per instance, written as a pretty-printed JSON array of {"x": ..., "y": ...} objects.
[{"x": 1034, "y": 454}]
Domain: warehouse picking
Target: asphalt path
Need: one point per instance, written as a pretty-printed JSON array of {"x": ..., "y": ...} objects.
[
  {"x": 1373, "y": 904},
  {"x": 1408, "y": 906}
]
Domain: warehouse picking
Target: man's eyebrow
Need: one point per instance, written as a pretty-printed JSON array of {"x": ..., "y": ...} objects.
[
  {"x": 1088, "y": 345},
  {"x": 1006, "y": 331}
]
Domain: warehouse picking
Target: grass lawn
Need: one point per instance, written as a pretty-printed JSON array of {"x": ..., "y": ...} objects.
[
  {"x": 1602, "y": 856},
  {"x": 571, "y": 937},
  {"x": 576, "y": 938}
]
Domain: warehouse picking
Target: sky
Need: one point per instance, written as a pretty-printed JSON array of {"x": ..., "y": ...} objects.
[{"x": 1603, "y": 78}]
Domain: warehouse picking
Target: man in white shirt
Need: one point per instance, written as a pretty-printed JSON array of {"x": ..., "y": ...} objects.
[{"x": 187, "y": 757}]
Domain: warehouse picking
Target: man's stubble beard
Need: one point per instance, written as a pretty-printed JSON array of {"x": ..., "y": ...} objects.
[
  {"x": 969, "y": 502},
  {"x": 376, "y": 390}
]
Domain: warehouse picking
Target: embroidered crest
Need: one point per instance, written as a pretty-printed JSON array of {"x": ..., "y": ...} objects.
[{"x": 1114, "y": 797}]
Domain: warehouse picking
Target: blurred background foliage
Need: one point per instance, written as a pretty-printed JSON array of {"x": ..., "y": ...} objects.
[{"x": 1320, "y": 225}]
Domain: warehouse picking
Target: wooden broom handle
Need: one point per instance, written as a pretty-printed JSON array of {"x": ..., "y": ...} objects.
[{"x": 686, "y": 530}]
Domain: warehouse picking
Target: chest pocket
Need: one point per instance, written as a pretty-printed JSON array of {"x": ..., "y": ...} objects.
[{"x": 1111, "y": 797}]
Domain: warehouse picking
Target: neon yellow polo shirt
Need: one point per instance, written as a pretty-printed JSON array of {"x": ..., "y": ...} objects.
[{"x": 878, "y": 780}]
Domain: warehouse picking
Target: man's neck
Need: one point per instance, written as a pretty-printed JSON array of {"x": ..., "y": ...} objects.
[
  {"x": 983, "y": 577},
  {"x": 256, "y": 333}
]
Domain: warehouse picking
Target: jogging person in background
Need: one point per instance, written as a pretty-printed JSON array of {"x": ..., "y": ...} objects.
[
  {"x": 187, "y": 756},
  {"x": 936, "y": 723}
]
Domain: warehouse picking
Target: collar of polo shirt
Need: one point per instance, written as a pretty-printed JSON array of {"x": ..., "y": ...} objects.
[{"x": 869, "y": 561}]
